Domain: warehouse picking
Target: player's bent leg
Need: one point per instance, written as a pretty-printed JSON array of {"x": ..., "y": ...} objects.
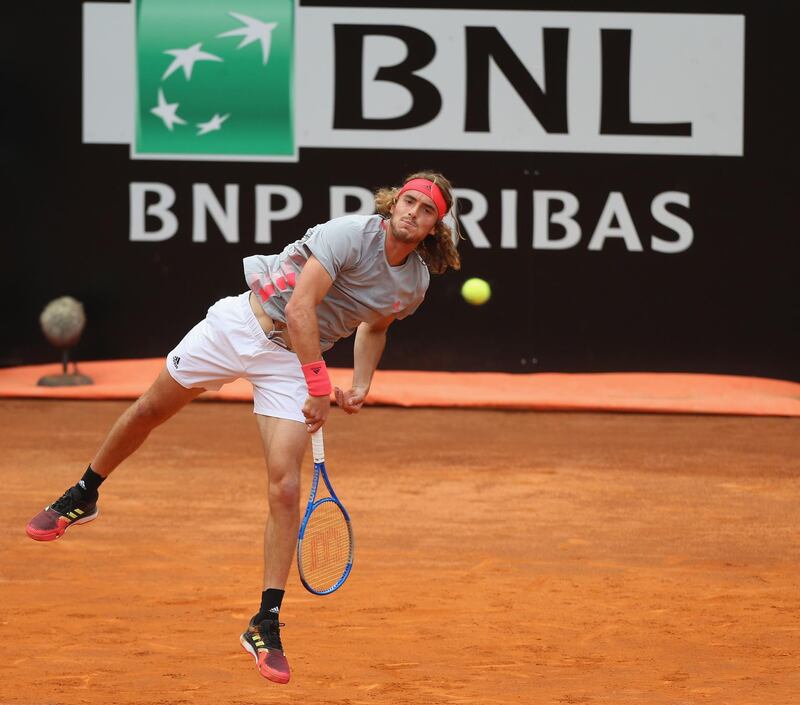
[
  {"x": 161, "y": 401},
  {"x": 78, "y": 505},
  {"x": 284, "y": 443}
]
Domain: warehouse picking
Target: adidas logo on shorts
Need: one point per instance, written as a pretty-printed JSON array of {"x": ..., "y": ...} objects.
[{"x": 175, "y": 361}]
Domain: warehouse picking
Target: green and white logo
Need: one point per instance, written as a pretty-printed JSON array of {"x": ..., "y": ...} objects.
[{"x": 215, "y": 79}]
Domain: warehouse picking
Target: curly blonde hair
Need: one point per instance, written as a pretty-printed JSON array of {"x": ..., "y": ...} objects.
[{"x": 438, "y": 250}]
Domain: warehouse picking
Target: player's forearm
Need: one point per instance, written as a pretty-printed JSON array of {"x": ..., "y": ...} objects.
[
  {"x": 301, "y": 320},
  {"x": 367, "y": 353}
]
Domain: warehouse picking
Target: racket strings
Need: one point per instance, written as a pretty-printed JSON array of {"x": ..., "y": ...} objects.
[{"x": 326, "y": 549}]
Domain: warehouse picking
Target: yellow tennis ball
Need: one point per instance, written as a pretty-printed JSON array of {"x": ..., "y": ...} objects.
[{"x": 476, "y": 291}]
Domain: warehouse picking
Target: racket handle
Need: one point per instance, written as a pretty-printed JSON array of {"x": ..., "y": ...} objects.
[{"x": 318, "y": 447}]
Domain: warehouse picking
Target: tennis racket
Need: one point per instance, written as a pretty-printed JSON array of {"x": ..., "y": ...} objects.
[{"x": 325, "y": 543}]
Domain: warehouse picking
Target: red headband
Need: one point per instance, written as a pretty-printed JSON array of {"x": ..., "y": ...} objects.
[{"x": 429, "y": 189}]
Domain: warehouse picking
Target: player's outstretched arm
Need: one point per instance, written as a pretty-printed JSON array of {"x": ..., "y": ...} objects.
[{"x": 368, "y": 348}]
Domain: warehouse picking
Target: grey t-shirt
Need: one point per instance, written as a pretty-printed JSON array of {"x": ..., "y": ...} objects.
[{"x": 365, "y": 287}]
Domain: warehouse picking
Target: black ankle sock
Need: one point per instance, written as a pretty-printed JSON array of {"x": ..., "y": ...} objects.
[
  {"x": 90, "y": 482},
  {"x": 271, "y": 600}
]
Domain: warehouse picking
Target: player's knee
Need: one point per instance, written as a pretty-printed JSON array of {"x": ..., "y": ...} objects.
[
  {"x": 146, "y": 412},
  {"x": 284, "y": 492}
]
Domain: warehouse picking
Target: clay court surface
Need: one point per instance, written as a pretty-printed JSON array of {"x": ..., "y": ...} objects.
[{"x": 501, "y": 557}]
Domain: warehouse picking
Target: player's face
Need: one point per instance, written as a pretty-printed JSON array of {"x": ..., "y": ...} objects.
[{"x": 414, "y": 217}]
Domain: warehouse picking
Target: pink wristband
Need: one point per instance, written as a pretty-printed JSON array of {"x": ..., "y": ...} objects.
[{"x": 316, "y": 374}]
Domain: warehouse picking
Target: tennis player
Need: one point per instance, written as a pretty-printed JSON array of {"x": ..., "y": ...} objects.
[{"x": 356, "y": 274}]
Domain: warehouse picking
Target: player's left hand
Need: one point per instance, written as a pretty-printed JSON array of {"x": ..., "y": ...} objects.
[{"x": 352, "y": 400}]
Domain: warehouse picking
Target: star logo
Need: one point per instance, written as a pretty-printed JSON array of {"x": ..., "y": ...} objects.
[
  {"x": 216, "y": 98},
  {"x": 253, "y": 31},
  {"x": 186, "y": 58},
  {"x": 215, "y": 123},
  {"x": 168, "y": 112}
]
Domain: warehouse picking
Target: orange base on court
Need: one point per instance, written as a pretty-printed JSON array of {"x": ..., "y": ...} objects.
[
  {"x": 632, "y": 392},
  {"x": 501, "y": 558}
]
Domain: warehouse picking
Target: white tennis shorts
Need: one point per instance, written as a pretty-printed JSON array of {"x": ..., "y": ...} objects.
[{"x": 228, "y": 344}]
